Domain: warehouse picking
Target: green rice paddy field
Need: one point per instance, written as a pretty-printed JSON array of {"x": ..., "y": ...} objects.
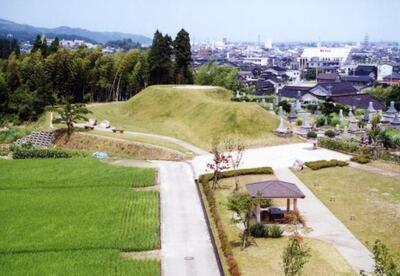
[{"x": 75, "y": 216}]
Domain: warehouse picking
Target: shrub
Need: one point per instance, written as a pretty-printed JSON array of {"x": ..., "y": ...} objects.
[
  {"x": 320, "y": 121},
  {"x": 311, "y": 135},
  {"x": 23, "y": 152},
  {"x": 259, "y": 230},
  {"x": 286, "y": 106},
  {"x": 330, "y": 133},
  {"x": 4, "y": 151},
  {"x": 12, "y": 134},
  {"x": 359, "y": 112},
  {"x": 320, "y": 164},
  {"x": 265, "y": 202},
  {"x": 333, "y": 119},
  {"x": 362, "y": 159},
  {"x": 339, "y": 145},
  {"x": 312, "y": 107},
  {"x": 275, "y": 231},
  {"x": 299, "y": 122},
  {"x": 295, "y": 256},
  {"x": 294, "y": 217}
]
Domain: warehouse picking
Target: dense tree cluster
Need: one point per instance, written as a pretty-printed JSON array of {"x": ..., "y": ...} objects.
[
  {"x": 51, "y": 75},
  {"x": 386, "y": 95},
  {"x": 124, "y": 44},
  {"x": 213, "y": 74},
  {"x": 7, "y": 46},
  {"x": 33, "y": 81}
]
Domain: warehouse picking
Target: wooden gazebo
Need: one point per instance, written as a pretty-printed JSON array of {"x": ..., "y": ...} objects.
[{"x": 274, "y": 189}]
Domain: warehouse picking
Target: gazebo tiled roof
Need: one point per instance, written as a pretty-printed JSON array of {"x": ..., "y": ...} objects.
[{"x": 274, "y": 189}]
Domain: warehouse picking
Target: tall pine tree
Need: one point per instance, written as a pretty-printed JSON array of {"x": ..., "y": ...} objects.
[
  {"x": 44, "y": 49},
  {"x": 37, "y": 45},
  {"x": 55, "y": 44},
  {"x": 160, "y": 64},
  {"x": 183, "y": 58}
]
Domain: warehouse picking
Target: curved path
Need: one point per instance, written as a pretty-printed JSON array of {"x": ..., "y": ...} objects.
[
  {"x": 186, "y": 247},
  {"x": 178, "y": 142}
]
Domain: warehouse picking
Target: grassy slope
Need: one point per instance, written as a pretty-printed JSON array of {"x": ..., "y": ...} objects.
[
  {"x": 55, "y": 220},
  {"x": 373, "y": 199},
  {"x": 117, "y": 146},
  {"x": 192, "y": 115},
  {"x": 265, "y": 257}
]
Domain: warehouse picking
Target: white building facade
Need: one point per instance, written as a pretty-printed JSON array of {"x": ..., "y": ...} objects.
[{"x": 320, "y": 57}]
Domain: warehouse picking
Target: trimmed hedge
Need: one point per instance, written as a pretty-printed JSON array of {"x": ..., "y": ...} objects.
[
  {"x": 231, "y": 173},
  {"x": 320, "y": 164},
  {"x": 312, "y": 135},
  {"x": 330, "y": 133},
  {"x": 361, "y": 159},
  {"x": 226, "y": 247},
  {"x": 339, "y": 145},
  {"x": 32, "y": 153}
]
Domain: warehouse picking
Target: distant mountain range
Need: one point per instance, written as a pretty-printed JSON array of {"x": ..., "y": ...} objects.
[{"x": 28, "y": 32}]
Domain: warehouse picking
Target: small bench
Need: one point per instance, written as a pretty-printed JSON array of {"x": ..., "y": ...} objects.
[{"x": 115, "y": 130}]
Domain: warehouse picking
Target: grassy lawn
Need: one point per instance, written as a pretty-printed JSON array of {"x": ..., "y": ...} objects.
[
  {"x": 386, "y": 165},
  {"x": 74, "y": 172},
  {"x": 192, "y": 115},
  {"x": 76, "y": 262},
  {"x": 373, "y": 199},
  {"x": 53, "y": 222},
  {"x": 265, "y": 257}
]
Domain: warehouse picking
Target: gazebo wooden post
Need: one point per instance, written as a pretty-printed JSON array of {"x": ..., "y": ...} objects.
[
  {"x": 288, "y": 204},
  {"x": 295, "y": 204},
  {"x": 258, "y": 213}
]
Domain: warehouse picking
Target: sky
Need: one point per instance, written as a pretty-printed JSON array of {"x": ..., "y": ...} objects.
[{"x": 244, "y": 20}]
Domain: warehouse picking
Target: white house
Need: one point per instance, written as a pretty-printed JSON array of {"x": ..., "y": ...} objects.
[
  {"x": 384, "y": 70},
  {"x": 317, "y": 57},
  {"x": 294, "y": 75}
]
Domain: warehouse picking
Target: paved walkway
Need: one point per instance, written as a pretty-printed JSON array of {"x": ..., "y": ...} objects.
[
  {"x": 327, "y": 227},
  {"x": 372, "y": 169},
  {"x": 186, "y": 247},
  {"x": 282, "y": 156}
]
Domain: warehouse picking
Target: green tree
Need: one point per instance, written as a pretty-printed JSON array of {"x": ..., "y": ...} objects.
[
  {"x": 241, "y": 204},
  {"x": 44, "y": 48},
  {"x": 183, "y": 58},
  {"x": 54, "y": 46},
  {"x": 69, "y": 114},
  {"x": 160, "y": 64},
  {"x": 212, "y": 74},
  {"x": 295, "y": 256},
  {"x": 37, "y": 45},
  {"x": 3, "y": 93},
  {"x": 374, "y": 135},
  {"x": 311, "y": 74},
  {"x": 384, "y": 263},
  {"x": 13, "y": 74}
]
